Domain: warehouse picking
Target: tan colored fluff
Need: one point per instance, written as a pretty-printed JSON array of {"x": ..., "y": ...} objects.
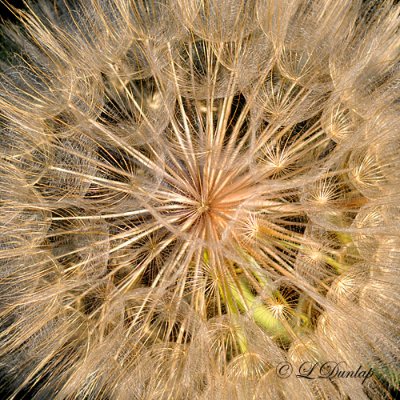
[{"x": 193, "y": 192}]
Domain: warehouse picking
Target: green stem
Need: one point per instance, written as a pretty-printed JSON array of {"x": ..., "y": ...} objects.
[
  {"x": 339, "y": 267},
  {"x": 246, "y": 301},
  {"x": 238, "y": 297}
]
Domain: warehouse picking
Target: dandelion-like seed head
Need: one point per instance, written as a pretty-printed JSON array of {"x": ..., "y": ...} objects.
[{"x": 195, "y": 192}]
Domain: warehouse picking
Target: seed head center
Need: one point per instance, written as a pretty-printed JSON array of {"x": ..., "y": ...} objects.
[{"x": 203, "y": 207}]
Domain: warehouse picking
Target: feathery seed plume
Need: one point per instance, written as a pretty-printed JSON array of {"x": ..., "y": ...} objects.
[{"x": 195, "y": 192}]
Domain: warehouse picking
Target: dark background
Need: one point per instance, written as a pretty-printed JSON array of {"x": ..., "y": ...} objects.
[{"x": 5, "y": 14}]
